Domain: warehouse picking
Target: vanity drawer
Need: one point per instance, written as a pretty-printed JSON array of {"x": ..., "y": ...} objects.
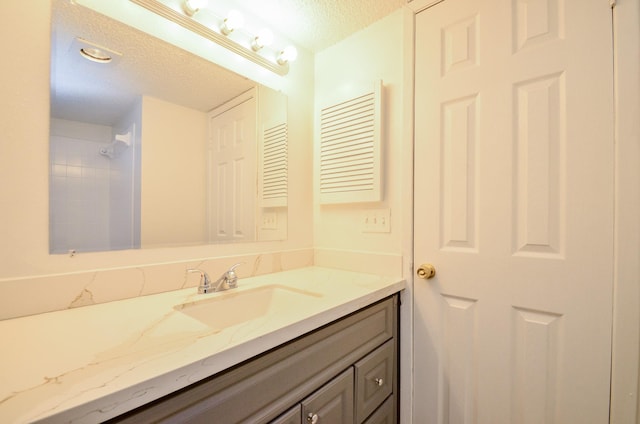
[{"x": 374, "y": 379}]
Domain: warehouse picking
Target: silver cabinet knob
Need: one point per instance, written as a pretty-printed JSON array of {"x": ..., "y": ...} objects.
[
  {"x": 312, "y": 418},
  {"x": 379, "y": 381}
]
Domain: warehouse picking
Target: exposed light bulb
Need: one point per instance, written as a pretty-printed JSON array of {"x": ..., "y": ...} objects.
[
  {"x": 234, "y": 20},
  {"x": 288, "y": 54},
  {"x": 191, "y": 7},
  {"x": 264, "y": 38}
]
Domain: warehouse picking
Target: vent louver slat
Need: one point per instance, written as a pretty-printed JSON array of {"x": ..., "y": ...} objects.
[
  {"x": 274, "y": 183},
  {"x": 350, "y": 159}
]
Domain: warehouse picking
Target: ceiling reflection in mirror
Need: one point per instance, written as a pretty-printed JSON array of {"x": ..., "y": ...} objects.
[{"x": 137, "y": 135}]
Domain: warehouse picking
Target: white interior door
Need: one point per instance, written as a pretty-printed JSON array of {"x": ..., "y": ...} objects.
[
  {"x": 232, "y": 187},
  {"x": 514, "y": 208}
]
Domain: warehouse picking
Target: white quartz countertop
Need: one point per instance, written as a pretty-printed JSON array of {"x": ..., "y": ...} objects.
[{"x": 89, "y": 364}]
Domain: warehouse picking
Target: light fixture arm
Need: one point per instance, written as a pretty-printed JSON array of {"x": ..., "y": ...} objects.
[{"x": 196, "y": 27}]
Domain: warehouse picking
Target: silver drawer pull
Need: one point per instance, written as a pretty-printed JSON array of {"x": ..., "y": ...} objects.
[
  {"x": 379, "y": 381},
  {"x": 312, "y": 418}
]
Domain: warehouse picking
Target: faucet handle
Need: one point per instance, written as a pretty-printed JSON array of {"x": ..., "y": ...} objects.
[
  {"x": 234, "y": 266},
  {"x": 205, "y": 281},
  {"x": 232, "y": 277}
]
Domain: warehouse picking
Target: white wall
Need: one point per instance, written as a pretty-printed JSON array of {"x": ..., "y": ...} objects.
[
  {"x": 24, "y": 112},
  {"x": 382, "y": 51},
  {"x": 375, "y": 53},
  {"x": 174, "y": 160},
  {"x": 24, "y": 119}
]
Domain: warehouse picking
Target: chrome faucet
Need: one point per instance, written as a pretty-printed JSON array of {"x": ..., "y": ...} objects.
[{"x": 228, "y": 280}]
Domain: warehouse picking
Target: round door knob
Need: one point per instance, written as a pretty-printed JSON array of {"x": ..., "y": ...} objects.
[
  {"x": 312, "y": 418},
  {"x": 426, "y": 271},
  {"x": 379, "y": 381}
]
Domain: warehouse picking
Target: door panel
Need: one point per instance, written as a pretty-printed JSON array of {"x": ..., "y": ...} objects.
[
  {"x": 513, "y": 205},
  {"x": 232, "y": 173}
]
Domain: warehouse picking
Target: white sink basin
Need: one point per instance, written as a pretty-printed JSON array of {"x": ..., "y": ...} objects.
[{"x": 232, "y": 307}]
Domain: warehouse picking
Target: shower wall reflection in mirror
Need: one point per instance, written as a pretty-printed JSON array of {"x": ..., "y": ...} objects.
[{"x": 152, "y": 146}]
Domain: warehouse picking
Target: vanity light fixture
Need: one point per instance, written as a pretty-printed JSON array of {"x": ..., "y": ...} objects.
[
  {"x": 225, "y": 34},
  {"x": 191, "y": 7},
  {"x": 288, "y": 54},
  {"x": 234, "y": 20},
  {"x": 264, "y": 38}
]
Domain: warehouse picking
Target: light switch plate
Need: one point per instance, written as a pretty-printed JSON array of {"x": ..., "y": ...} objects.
[
  {"x": 376, "y": 221},
  {"x": 269, "y": 221}
]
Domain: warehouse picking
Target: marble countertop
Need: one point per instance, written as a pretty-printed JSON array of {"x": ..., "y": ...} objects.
[{"x": 89, "y": 364}]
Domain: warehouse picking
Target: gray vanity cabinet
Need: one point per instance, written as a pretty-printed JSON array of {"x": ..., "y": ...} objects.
[{"x": 344, "y": 372}]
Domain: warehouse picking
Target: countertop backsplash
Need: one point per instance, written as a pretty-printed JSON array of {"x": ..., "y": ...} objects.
[{"x": 49, "y": 293}]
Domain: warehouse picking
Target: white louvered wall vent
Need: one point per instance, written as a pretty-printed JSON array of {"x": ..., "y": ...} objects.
[
  {"x": 274, "y": 184},
  {"x": 350, "y": 149}
]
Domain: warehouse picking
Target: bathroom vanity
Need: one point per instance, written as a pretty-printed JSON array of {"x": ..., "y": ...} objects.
[
  {"x": 301, "y": 346},
  {"x": 342, "y": 371}
]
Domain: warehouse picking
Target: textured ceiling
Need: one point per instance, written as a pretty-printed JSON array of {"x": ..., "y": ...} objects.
[
  {"x": 97, "y": 93},
  {"x": 317, "y": 24}
]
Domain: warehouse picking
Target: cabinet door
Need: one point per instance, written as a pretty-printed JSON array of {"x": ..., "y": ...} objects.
[
  {"x": 331, "y": 404},
  {"x": 374, "y": 380},
  {"x": 292, "y": 416},
  {"x": 386, "y": 414}
]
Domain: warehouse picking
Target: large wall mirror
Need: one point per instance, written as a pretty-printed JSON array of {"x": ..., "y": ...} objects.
[{"x": 152, "y": 146}]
